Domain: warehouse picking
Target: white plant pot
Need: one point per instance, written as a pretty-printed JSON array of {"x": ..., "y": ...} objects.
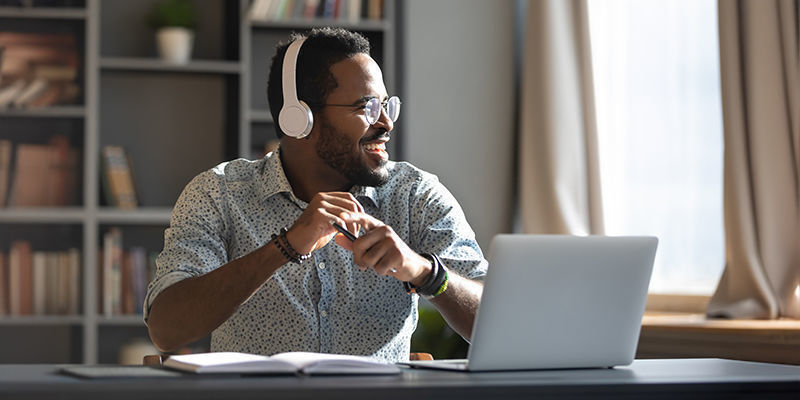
[{"x": 175, "y": 44}]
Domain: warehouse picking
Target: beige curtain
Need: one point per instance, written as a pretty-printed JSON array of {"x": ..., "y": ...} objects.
[
  {"x": 559, "y": 189},
  {"x": 760, "y": 68}
]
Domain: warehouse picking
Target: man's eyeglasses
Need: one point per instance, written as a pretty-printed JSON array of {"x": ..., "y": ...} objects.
[{"x": 372, "y": 108}]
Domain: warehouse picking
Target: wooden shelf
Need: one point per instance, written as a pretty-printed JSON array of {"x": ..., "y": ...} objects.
[
  {"x": 156, "y": 65},
  {"x": 301, "y": 24},
  {"x": 42, "y": 12},
  {"x": 143, "y": 216},
  {"x": 43, "y": 215},
  {"x": 45, "y": 112},
  {"x": 674, "y": 335}
]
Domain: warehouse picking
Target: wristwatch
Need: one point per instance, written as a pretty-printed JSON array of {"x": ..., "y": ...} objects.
[{"x": 436, "y": 283}]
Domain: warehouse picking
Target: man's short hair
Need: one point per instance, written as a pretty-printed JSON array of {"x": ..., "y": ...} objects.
[{"x": 323, "y": 47}]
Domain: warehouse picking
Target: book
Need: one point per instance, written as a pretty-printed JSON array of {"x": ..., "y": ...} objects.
[
  {"x": 62, "y": 178},
  {"x": 44, "y": 174},
  {"x": 40, "y": 287},
  {"x": 39, "y": 69},
  {"x": 112, "y": 272},
  {"x": 5, "y": 170},
  {"x": 258, "y": 10},
  {"x": 10, "y": 92},
  {"x": 139, "y": 277},
  {"x": 74, "y": 281},
  {"x": 283, "y": 363},
  {"x": 3, "y": 285},
  {"x": 34, "y": 89},
  {"x": 118, "y": 178},
  {"x": 20, "y": 279}
]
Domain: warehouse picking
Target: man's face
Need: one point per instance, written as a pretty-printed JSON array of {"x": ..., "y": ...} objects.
[{"x": 347, "y": 143}]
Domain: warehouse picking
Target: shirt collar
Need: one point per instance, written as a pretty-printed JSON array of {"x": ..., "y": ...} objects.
[
  {"x": 365, "y": 193},
  {"x": 273, "y": 178},
  {"x": 274, "y": 181}
]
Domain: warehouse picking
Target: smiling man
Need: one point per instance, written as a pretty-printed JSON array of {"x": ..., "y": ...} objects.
[{"x": 254, "y": 256}]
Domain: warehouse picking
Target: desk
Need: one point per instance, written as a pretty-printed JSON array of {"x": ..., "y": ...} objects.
[{"x": 652, "y": 379}]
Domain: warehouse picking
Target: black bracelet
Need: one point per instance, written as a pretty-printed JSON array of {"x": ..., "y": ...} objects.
[
  {"x": 435, "y": 284},
  {"x": 286, "y": 248},
  {"x": 280, "y": 247}
]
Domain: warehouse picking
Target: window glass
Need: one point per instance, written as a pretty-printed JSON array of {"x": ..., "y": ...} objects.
[{"x": 657, "y": 88}]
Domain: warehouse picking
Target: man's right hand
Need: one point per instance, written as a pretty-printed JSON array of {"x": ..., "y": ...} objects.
[{"x": 313, "y": 230}]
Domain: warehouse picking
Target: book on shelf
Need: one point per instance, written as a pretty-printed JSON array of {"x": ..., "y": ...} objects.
[
  {"x": 32, "y": 164},
  {"x": 41, "y": 288},
  {"x": 20, "y": 278},
  {"x": 38, "y": 69},
  {"x": 3, "y": 284},
  {"x": 6, "y": 149},
  {"x": 112, "y": 266},
  {"x": 124, "y": 276},
  {"x": 118, "y": 178},
  {"x": 282, "y": 363},
  {"x": 45, "y": 175},
  {"x": 53, "y": 285},
  {"x": 351, "y": 11},
  {"x": 138, "y": 279},
  {"x": 73, "y": 284}
]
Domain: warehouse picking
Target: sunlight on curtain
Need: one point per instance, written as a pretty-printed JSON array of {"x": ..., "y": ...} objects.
[{"x": 659, "y": 119}]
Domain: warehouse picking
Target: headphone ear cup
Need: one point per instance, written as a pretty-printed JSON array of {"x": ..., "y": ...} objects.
[{"x": 296, "y": 119}]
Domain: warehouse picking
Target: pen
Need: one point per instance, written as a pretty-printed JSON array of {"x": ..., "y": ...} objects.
[
  {"x": 338, "y": 227},
  {"x": 352, "y": 238},
  {"x": 344, "y": 232}
]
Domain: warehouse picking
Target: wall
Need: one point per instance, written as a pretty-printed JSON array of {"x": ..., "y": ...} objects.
[{"x": 458, "y": 103}]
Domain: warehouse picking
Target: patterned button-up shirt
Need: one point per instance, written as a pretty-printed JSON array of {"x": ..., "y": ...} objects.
[{"x": 324, "y": 304}]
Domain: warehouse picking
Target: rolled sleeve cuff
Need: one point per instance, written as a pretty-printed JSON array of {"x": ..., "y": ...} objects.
[{"x": 156, "y": 287}]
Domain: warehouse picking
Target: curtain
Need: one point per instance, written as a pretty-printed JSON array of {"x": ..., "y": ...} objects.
[
  {"x": 559, "y": 183},
  {"x": 760, "y": 76}
]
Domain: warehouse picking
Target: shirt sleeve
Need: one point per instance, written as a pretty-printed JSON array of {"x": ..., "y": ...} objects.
[
  {"x": 194, "y": 242},
  {"x": 438, "y": 225}
]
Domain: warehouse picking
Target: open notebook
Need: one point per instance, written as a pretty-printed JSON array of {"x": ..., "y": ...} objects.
[
  {"x": 283, "y": 363},
  {"x": 559, "y": 302}
]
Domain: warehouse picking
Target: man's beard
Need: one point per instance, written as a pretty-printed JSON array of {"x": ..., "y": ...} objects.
[{"x": 336, "y": 150}]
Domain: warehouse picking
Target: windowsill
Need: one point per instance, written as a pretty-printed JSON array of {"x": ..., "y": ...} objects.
[
  {"x": 678, "y": 303},
  {"x": 691, "y": 335}
]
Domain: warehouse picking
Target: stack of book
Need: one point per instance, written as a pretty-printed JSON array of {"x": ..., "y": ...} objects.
[
  {"x": 43, "y": 175},
  {"x": 38, "y": 70},
  {"x": 124, "y": 276},
  {"x": 39, "y": 282},
  {"x": 346, "y": 10}
]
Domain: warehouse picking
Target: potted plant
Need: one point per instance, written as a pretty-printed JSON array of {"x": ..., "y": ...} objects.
[{"x": 174, "y": 21}]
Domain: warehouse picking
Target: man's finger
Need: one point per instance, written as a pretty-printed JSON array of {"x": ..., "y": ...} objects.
[{"x": 367, "y": 221}]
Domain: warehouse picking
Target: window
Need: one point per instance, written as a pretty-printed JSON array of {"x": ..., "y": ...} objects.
[{"x": 659, "y": 116}]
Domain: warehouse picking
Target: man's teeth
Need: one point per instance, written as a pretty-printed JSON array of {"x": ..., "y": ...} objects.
[{"x": 375, "y": 146}]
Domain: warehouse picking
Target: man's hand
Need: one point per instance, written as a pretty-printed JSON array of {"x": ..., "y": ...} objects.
[
  {"x": 314, "y": 230},
  {"x": 382, "y": 250}
]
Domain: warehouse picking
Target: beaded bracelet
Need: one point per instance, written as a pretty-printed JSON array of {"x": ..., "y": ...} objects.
[{"x": 286, "y": 248}]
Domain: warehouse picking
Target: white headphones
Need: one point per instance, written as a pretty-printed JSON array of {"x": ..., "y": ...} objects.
[{"x": 295, "y": 118}]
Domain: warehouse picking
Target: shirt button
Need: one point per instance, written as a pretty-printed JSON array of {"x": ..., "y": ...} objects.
[
  {"x": 323, "y": 313},
  {"x": 322, "y": 265}
]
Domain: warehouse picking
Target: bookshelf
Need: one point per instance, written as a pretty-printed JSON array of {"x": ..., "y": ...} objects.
[{"x": 174, "y": 121}]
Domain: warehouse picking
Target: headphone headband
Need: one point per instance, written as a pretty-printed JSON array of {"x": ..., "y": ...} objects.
[{"x": 295, "y": 118}]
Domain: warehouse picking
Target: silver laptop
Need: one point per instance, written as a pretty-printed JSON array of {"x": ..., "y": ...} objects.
[{"x": 552, "y": 302}]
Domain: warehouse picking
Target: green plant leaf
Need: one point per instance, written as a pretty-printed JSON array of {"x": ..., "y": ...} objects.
[{"x": 173, "y": 13}]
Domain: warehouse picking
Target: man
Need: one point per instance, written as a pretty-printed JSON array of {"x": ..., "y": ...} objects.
[{"x": 231, "y": 269}]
